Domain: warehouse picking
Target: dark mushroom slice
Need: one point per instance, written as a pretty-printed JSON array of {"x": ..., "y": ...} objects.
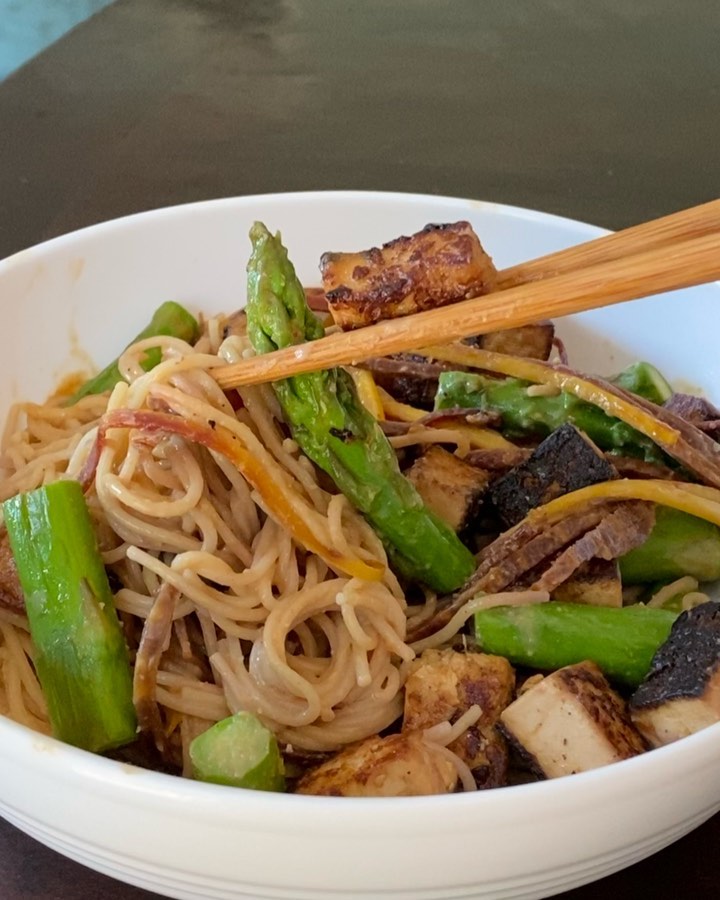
[
  {"x": 408, "y": 378},
  {"x": 633, "y": 467},
  {"x": 571, "y": 721},
  {"x": 565, "y": 461},
  {"x": 450, "y": 487},
  {"x": 154, "y": 641},
  {"x": 444, "y": 684},
  {"x": 439, "y": 265},
  {"x": 691, "y": 446},
  {"x": 394, "y": 429},
  {"x": 504, "y": 459},
  {"x": 235, "y": 324},
  {"x": 413, "y": 379},
  {"x": 620, "y": 531},
  {"x": 697, "y": 411},
  {"x": 681, "y": 694},
  {"x": 504, "y": 561},
  {"x": 498, "y": 461},
  {"x": 679, "y": 439},
  {"x": 445, "y": 418},
  {"x": 546, "y": 553},
  {"x": 460, "y": 415}
]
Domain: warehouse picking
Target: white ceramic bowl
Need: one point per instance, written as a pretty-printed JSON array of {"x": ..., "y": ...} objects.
[{"x": 88, "y": 293}]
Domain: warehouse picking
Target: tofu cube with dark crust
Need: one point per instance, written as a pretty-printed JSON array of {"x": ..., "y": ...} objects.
[
  {"x": 681, "y": 693},
  {"x": 534, "y": 341},
  {"x": 444, "y": 684},
  {"x": 595, "y": 583},
  {"x": 399, "y": 765},
  {"x": 439, "y": 265},
  {"x": 452, "y": 488},
  {"x": 565, "y": 461},
  {"x": 571, "y": 721}
]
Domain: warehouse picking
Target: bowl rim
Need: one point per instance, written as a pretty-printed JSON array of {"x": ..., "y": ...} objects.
[{"x": 48, "y": 756}]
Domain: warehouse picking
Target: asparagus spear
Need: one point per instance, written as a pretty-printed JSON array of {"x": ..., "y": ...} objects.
[
  {"x": 525, "y": 415},
  {"x": 679, "y": 544},
  {"x": 238, "y": 751},
  {"x": 547, "y": 636},
  {"x": 81, "y": 657},
  {"x": 334, "y": 429},
  {"x": 169, "y": 318},
  {"x": 643, "y": 379}
]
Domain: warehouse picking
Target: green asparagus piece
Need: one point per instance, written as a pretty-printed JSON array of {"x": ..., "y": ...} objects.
[
  {"x": 168, "y": 319},
  {"x": 335, "y": 430},
  {"x": 550, "y": 635},
  {"x": 643, "y": 379},
  {"x": 81, "y": 657},
  {"x": 679, "y": 544},
  {"x": 238, "y": 751},
  {"x": 538, "y": 416}
]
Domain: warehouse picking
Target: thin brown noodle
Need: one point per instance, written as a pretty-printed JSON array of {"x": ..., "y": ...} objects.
[{"x": 259, "y": 624}]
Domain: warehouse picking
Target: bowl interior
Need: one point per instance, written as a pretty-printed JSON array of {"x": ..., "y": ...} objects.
[{"x": 70, "y": 305}]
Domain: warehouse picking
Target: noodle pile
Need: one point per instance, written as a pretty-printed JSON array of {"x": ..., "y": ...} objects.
[{"x": 247, "y": 619}]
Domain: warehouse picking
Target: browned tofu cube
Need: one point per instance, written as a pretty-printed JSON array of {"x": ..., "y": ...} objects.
[
  {"x": 596, "y": 583},
  {"x": 681, "y": 694},
  {"x": 444, "y": 684},
  {"x": 449, "y": 486},
  {"x": 439, "y": 265},
  {"x": 534, "y": 341},
  {"x": 565, "y": 461},
  {"x": 571, "y": 721},
  {"x": 399, "y": 765}
]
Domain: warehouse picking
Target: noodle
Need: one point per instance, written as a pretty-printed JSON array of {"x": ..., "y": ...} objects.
[
  {"x": 258, "y": 622},
  {"x": 241, "y": 581},
  {"x": 485, "y": 601},
  {"x": 445, "y": 733},
  {"x": 684, "y": 585}
]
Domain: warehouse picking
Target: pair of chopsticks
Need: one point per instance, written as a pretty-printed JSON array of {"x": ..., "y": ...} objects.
[{"x": 666, "y": 254}]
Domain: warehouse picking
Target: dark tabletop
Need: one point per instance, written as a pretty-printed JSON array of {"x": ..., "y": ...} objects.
[{"x": 607, "y": 112}]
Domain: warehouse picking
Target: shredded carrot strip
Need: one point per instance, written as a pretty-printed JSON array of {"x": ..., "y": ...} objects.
[
  {"x": 481, "y": 438},
  {"x": 400, "y": 412},
  {"x": 217, "y": 437},
  {"x": 677, "y": 494},
  {"x": 368, "y": 392}
]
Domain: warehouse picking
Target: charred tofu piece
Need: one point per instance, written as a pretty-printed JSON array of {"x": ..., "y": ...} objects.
[
  {"x": 444, "y": 684},
  {"x": 439, "y": 265},
  {"x": 563, "y": 462},
  {"x": 596, "y": 583},
  {"x": 570, "y": 722},
  {"x": 681, "y": 694},
  {"x": 400, "y": 765},
  {"x": 452, "y": 488},
  {"x": 534, "y": 341}
]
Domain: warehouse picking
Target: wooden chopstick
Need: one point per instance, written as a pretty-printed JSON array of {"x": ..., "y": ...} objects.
[
  {"x": 668, "y": 266},
  {"x": 688, "y": 223}
]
